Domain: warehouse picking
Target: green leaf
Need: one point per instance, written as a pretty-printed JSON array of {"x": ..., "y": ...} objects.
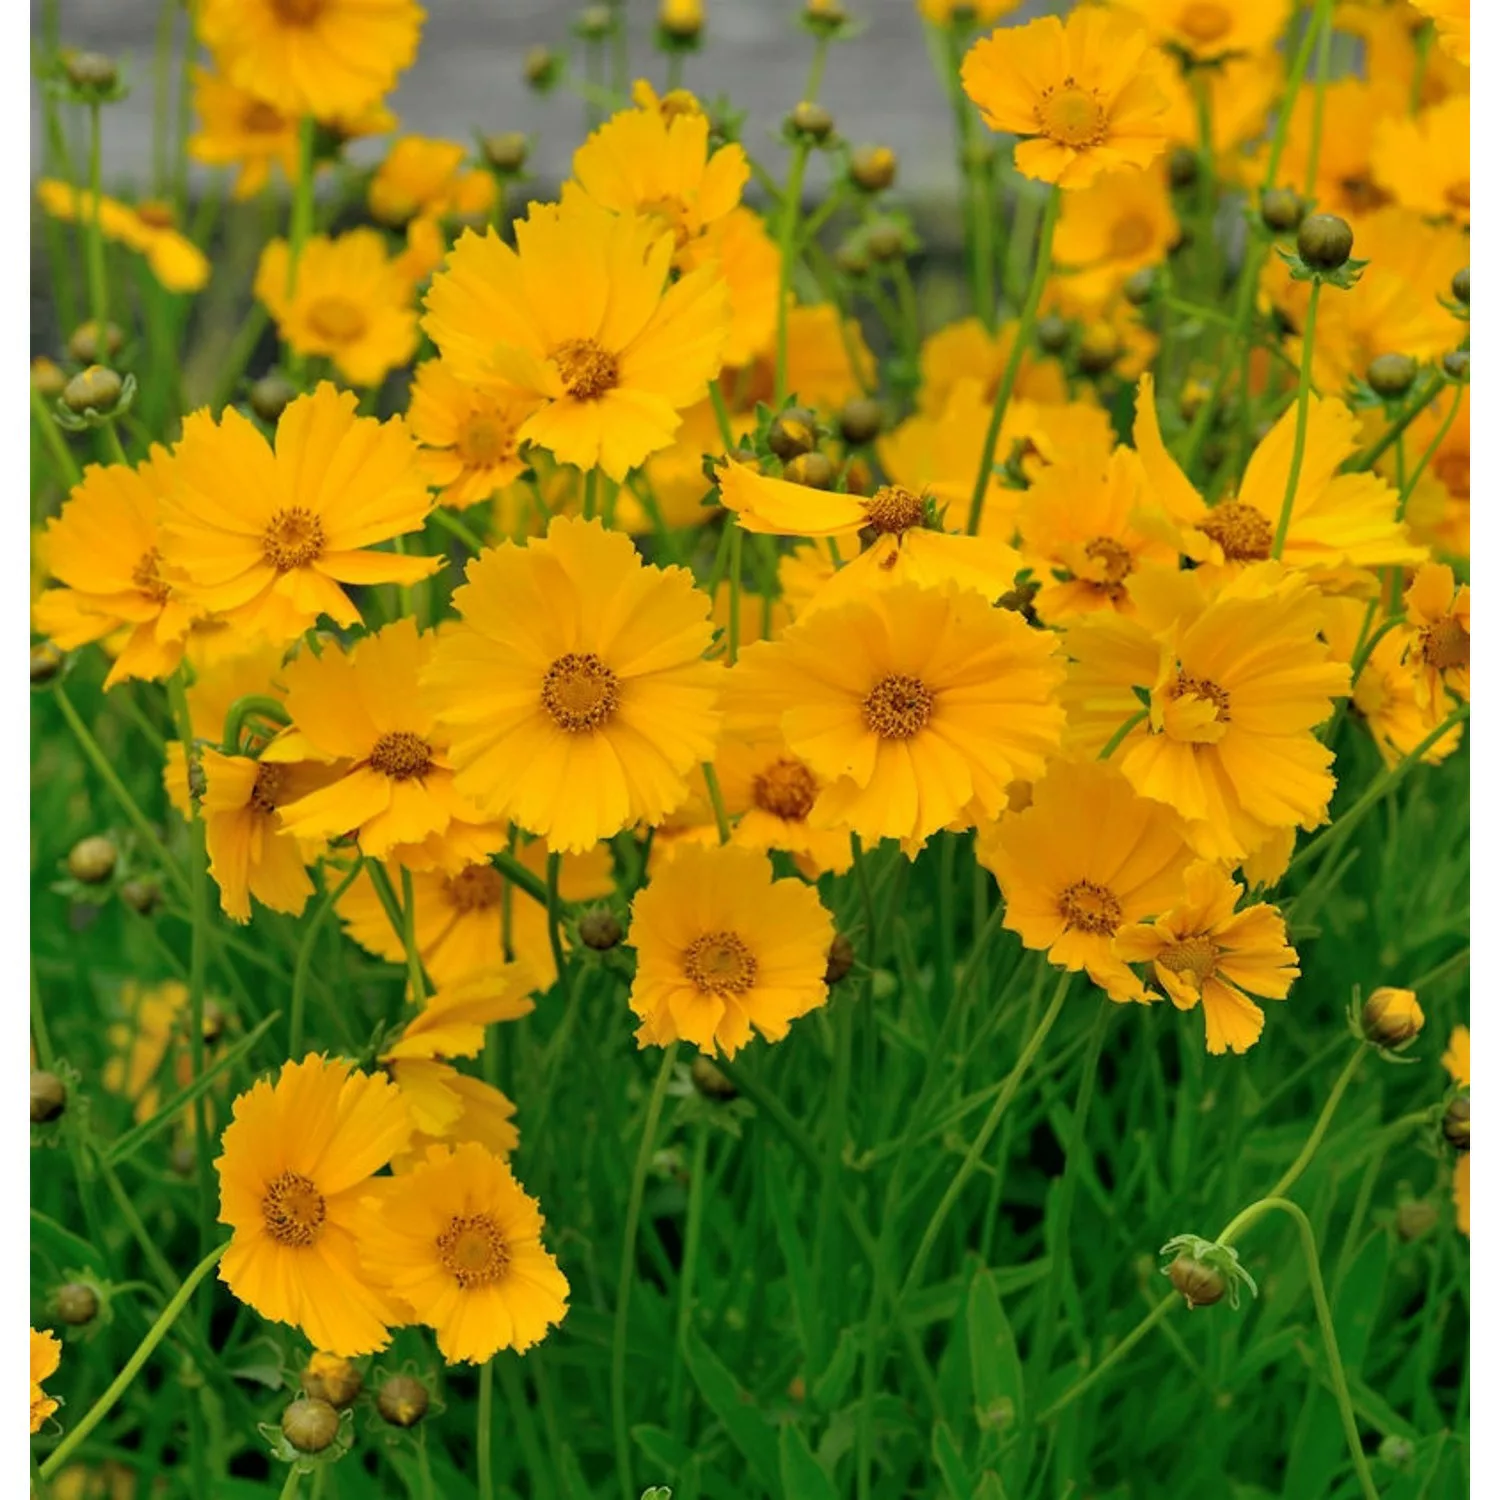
[
  {"x": 950, "y": 1463},
  {"x": 799, "y": 1278},
  {"x": 735, "y": 1407},
  {"x": 994, "y": 1360},
  {"x": 801, "y": 1476},
  {"x": 830, "y": 1388},
  {"x": 989, "y": 1487},
  {"x": 661, "y": 1448},
  {"x": 1357, "y": 1301}
]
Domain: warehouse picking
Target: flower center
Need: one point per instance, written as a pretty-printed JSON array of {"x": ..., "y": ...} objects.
[
  {"x": 1130, "y": 236},
  {"x": 293, "y": 1210},
  {"x": 474, "y": 888},
  {"x": 1362, "y": 194},
  {"x": 1112, "y": 562},
  {"x": 298, "y": 12},
  {"x": 580, "y": 692},
  {"x": 587, "y": 369},
  {"x": 1090, "y": 908},
  {"x": 1205, "y": 21},
  {"x": 337, "y": 319},
  {"x": 1202, "y": 688},
  {"x": 485, "y": 439},
  {"x": 147, "y": 577},
  {"x": 1071, "y": 115},
  {"x": 785, "y": 789},
  {"x": 401, "y": 755},
  {"x": 1240, "y": 530},
  {"x": 1445, "y": 645},
  {"x": 892, "y": 510},
  {"x": 898, "y": 707},
  {"x": 260, "y": 118},
  {"x": 472, "y": 1250},
  {"x": 157, "y": 215},
  {"x": 293, "y": 538},
  {"x": 1195, "y": 955},
  {"x": 1457, "y": 194},
  {"x": 719, "y": 963},
  {"x": 1453, "y": 470},
  {"x": 269, "y": 781}
]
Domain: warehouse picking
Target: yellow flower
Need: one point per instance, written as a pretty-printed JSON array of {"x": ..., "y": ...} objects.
[
  {"x": 237, "y": 129},
  {"x": 468, "y": 434},
  {"x": 1087, "y": 526},
  {"x": 581, "y": 316},
  {"x": 46, "y": 1355},
  {"x": 723, "y": 947},
  {"x": 1241, "y": 94},
  {"x": 452, "y": 1021},
  {"x": 674, "y": 476},
  {"x": 1439, "y": 505},
  {"x": 457, "y": 1241},
  {"x": 747, "y": 259},
  {"x": 421, "y": 176},
  {"x": 913, "y": 706},
  {"x": 1392, "y": 1016},
  {"x": 1344, "y": 173},
  {"x": 1237, "y": 681},
  {"x": 827, "y": 360},
  {"x": 1456, "y": 1058},
  {"x": 326, "y": 58},
  {"x": 351, "y": 303},
  {"x": 1207, "y": 29},
  {"x": 1084, "y": 859},
  {"x": 574, "y": 688},
  {"x": 106, "y": 549},
  {"x": 298, "y": 1159},
  {"x": 964, "y": 12},
  {"x": 1451, "y": 18},
  {"x": 1424, "y": 160},
  {"x": 1439, "y": 613},
  {"x": 1086, "y": 93},
  {"x": 968, "y": 351},
  {"x": 265, "y": 539},
  {"x": 1120, "y": 223},
  {"x": 138, "y": 1046},
  {"x": 658, "y": 165},
  {"x": 910, "y": 546},
  {"x": 1201, "y": 948},
  {"x": 176, "y": 262}
]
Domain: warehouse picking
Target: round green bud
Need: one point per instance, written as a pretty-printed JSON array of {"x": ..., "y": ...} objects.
[
  {"x": 508, "y": 151},
  {"x": 46, "y": 662},
  {"x": 94, "y": 389},
  {"x": 270, "y": 396},
  {"x": 1053, "y": 333},
  {"x": 1139, "y": 285},
  {"x": 309, "y": 1425},
  {"x": 1281, "y": 210},
  {"x": 1182, "y": 166},
  {"x": 873, "y": 168},
  {"x": 77, "y": 1303},
  {"x": 402, "y": 1400},
  {"x": 793, "y": 433},
  {"x": 49, "y": 1096},
  {"x": 1201, "y": 1285},
  {"x": 1391, "y": 375},
  {"x": 1324, "y": 241},
  {"x": 710, "y": 1080},
  {"x": 860, "y": 421},
  {"x": 811, "y": 121},
  {"x": 1456, "y": 364},
  {"x": 815, "y": 470},
  {"x": 1461, "y": 286},
  {"x": 840, "y": 959},
  {"x": 91, "y": 861},
  {"x": 1455, "y": 1123},
  {"x": 600, "y": 929}
]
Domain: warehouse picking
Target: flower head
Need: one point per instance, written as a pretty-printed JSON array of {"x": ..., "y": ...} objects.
[
  {"x": 46, "y": 1355},
  {"x": 176, "y": 262},
  {"x": 1211, "y": 29},
  {"x": 424, "y": 177},
  {"x": 1439, "y": 613},
  {"x": 237, "y": 129},
  {"x": 469, "y": 434}
]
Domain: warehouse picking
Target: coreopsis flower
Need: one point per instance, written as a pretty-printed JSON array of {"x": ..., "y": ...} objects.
[
  {"x": 458, "y": 1242},
  {"x": 139, "y": 1044},
  {"x": 1423, "y": 160},
  {"x": 105, "y": 549},
  {"x": 325, "y": 58},
  {"x": 238, "y": 129},
  {"x": 828, "y": 361},
  {"x": 911, "y": 543},
  {"x": 1207, "y": 30},
  {"x": 363, "y": 708},
  {"x": 423, "y": 177},
  {"x": 1202, "y": 949},
  {"x": 176, "y": 262},
  {"x": 964, "y": 12},
  {"x": 46, "y": 1355},
  {"x": 724, "y": 948},
  {"x": 1085, "y": 94},
  {"x": 1438, "y": 611},
  {"x": 574, "y": 688},
  {"x": 1086, "y": 526},
  {"x": 914, "y": 707},
  {"x": 465, "y": 1109},
  {"x": 452, "y": 1020},
  {"x": 468, "y": 434},
  {"x": 266, "y": 538},
  {"x": 1339, "y": 522},
  {"x": 581, "y": 315},
  {"x": 1088, "y": 856},
  {"x": 349, "y": 303},
  {"x": 1451, "y": 18},
  {"x": 299, "y": 1156},
  {"x": 968, "y": 351},
  {"x": 739, "y": 248},
  {"x": 1237, "y": 679},
  {"x": 1120, "y": 223},
  {"x": 1391, "y": 1016}
]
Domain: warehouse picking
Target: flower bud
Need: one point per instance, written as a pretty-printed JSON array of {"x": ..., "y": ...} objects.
[
  {"x": 1139, "y": 285},
  {"x": 709, "y": 1080},
  {"x": 47, "y": 378},
  {"x": 840, "y": 959},
  {"x": 1396, "y": 1451},
  {"x": 332, "y": 1378},
  {"x": 886, "y": 240},
  {"x": 1053, "y": 333},
  {"x": 542, "y": 68},
  {"x": 810, "y": 121},
  {"x": 1182, "y": 166},
  {"x": 1456, "y": 364},
  {"x": 851, "y": 258},
  {"x": 46, "y": 662},
  {"x": 77, "y": 1303},
  {"x": 595, "y": 21},
  {"x": 270, "y": 396},
  {"x": 681, "y": 20},
  {"x": 1414, "y": 1217},
  {"x": 1455, "y": 1122},
  {"x": 1461, "y": 286},
  {"x": 309, "y": 1424},
  {"x": 402, "y": 1400},
  {"x": 86, "y": 347},
  {"x": 91, "y": 861},
  {"x": 94, "y": 389},
  {"x": 142, "y": 895},
  {"x": 1324, "y": 241},
  {"x": 1201, "y": 1284},
  {"x": 1098, "y": 349},
  {"x": 600, "y": 929},
  {"x": 91, "y": 71},
  {"x": 873, "y": 168},
  {"x": 860, "y": 421},
  {"x": 1391, "y": 375},
  {"x": 1281, "y": 210},
  {"x": 827, "y": 13},
  {"x": 814, "y": 469},
  {"x": 508, "y": 151},
  {"x": 793, "y": 433},
  {"x": 49, "y": 1096},
  {"x": 1391, "y": 1016},
  {"x": 1195, "y": 393}
]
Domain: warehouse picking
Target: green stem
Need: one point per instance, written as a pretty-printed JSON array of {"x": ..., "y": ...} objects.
[
  {"x": 1299, "y": 441},
  {"x": 161, "y": 91},
  {"x": 115, "y": 447},
  {"x": 791, "y": 207},
  {"x": 623, "y": 1465},
  {"x": 716, "y": 799},
  {"x": 403, "y": 918},
  {"x": 1427, "y": 453},
  {"x": 1323, "y": 20},
  {"x": 554, "y": 920},
  {"x": 67, "y": 466},
  {"x": 736, "y": 564},
  {"x": 1319, "y": 1130},
  {"x": 1017, "y": 353},
  {"x": 94, "y": 239},
  {"x": 1110, "y": 1360},
  {"x": 815, "y": 70},
  {"x": 692, "y": 1240},
  {"x": 293, "y": 1482},
  {"x": 1117, "y": 738},
  {"x": 485, "y": 1432},
  {"x": 132, "y": 1367},
  {"x": 299, "y": 227},
  {"x": 1368, "y": 457},
  {"x": 305, "y": 949}
]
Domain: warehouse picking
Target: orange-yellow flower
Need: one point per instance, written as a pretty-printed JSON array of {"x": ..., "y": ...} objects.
[
  {"x": 1424, "y": 159},
  {"x": 46, "y": 1355},
  {"x": 237, "y": 129},
  {"x": 469, "y": 434},
  {"x": 176, "y": 262},
  {"x": 1439, "y": 613}
]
